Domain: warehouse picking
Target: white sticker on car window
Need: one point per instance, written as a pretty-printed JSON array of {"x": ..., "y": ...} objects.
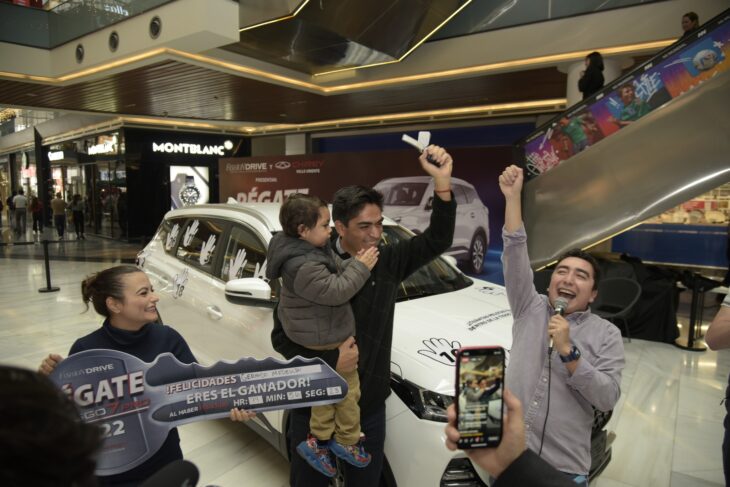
[
  {"x": 179, "y": 283},
  {"x": 141, "y": 258},
  {"x": 190, "y": 233},
  {"x": 172, "y": 237},
  {"x": 239, "y": 263},
  {"x": 441, "y": 350},
  {"x": 206, "y": 251}
]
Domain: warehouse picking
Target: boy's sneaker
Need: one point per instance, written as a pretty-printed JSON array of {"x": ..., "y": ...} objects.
[
  {"x": 317, "y": 456},
  {"x": 352, "y": 454}
]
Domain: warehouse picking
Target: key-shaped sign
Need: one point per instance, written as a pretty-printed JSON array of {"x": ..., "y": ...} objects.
[{"x": 137, "y": 403}]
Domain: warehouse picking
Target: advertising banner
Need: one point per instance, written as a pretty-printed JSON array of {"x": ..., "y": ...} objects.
[
  {"x": 189, "y": 185},
  {"x": 680, "y": 68},
  {"x": 396, "y": 173},
  {"x": 137, "y": 403}
]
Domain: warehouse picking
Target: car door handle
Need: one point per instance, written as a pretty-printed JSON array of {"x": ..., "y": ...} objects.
[
  {"x": 471, "y": 214},
  {"x": 214, "y": 312}
]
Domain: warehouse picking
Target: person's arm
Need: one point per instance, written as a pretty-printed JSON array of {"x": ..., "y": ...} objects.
[
  {"x": 518, "y": 276},
  {"x": 314, "y": 281},
  {"x": 510, "y": 183},
  {"x": 437, "y": 238},
  {"x": 718, "y": 334},
  {"x": 599, "y": 382}
]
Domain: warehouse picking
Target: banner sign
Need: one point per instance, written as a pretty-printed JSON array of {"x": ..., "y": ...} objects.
[
  {"x": 680, "y": 68},
  {"x": 136, "y": 403},
  {"x": 396, "y": 173}
]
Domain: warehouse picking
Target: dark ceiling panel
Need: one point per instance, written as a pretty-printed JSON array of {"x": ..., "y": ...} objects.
[{"x": 176, "y": 89}]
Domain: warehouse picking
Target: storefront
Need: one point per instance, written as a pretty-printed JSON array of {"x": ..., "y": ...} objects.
[
  {"x": 130, "y": 178},
  {"x": 695, "y": 233}
]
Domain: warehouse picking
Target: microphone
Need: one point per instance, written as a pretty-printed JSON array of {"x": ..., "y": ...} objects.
[
  {"x": 179, "y": 473},
  {"x": 560, "y": 305}
]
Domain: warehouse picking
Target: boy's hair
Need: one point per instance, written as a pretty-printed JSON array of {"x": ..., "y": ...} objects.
[
  {"x": 581, "y": 254},
  {"x": 350, "y": 200},
  {"x": 300, "y": 209}
]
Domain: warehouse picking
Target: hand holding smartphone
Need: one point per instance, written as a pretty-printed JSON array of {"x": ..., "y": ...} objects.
[{"x": 479, "y": 391}]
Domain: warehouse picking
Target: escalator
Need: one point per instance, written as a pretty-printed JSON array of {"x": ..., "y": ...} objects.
[{"x": 642, "y": 153}]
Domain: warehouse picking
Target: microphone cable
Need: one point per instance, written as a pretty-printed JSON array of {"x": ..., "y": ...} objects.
[{"x": 547, "y": 410}]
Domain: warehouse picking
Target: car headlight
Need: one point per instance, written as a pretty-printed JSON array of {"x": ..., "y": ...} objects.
[{"x": 424, "y": 403}]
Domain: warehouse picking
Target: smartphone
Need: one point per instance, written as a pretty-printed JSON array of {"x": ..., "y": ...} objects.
[{"x": 479, "y": 391}]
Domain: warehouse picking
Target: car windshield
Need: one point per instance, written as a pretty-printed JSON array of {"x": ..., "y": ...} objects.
[
  {"x": 402, "y": 194},
  {"x": 436, "y": 277}
]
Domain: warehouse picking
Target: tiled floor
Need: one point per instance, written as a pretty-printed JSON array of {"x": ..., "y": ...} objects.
[{"x": 668, "y": 422}]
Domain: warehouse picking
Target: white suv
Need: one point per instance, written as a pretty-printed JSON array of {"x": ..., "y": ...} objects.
[
  {"x": 207, "y": 263},
  {"x": 408, "y": 202}
]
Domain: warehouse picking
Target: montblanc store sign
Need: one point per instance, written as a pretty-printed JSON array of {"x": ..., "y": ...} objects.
[{"x": 193, "y": 149}]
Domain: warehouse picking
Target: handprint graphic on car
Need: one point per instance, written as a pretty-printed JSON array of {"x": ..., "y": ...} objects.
[
  {"x": 190, "y": 233},
  {"x": 206, "y": 251},
  {"x": 441, "y": 350},
  {"x": 236, "y": 269},
  {"x": 141, "y": 258},
  {"x": 239, "y": 263},
  {"x": 172, "y": 237},
  {"x": 179, "y": 283}
]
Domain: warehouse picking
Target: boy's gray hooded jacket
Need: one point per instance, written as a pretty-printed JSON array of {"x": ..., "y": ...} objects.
[{"x": 314, "y": 305}]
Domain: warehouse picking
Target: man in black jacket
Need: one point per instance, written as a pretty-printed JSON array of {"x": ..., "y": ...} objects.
[{"x": 357, "y": 212}]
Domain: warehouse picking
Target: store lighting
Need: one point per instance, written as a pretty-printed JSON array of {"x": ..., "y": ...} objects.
[{"x": 524, "y": 63}]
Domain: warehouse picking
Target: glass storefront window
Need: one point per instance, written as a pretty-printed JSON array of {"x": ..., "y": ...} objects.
[{"x": 712, "y": 208}]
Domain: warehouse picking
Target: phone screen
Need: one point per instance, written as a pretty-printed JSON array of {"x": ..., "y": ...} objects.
[{"x": 480, "y": 385}]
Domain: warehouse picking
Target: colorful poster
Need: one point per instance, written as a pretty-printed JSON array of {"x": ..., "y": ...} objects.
[
  {"x": 678, "y": 69},
  {"x": 137, "y": 403}
]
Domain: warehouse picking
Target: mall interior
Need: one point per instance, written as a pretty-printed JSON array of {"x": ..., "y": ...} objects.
[{"x": 115, "y": 112}]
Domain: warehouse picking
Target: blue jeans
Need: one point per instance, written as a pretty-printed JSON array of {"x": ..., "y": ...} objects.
[{"x": 302, "y": 475}]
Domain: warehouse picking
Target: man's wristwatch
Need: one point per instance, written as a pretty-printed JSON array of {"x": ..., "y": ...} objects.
[{"x": 572, "y": 356}]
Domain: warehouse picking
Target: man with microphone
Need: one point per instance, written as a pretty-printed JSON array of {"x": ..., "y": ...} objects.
[{"x": 565, "y": 361}]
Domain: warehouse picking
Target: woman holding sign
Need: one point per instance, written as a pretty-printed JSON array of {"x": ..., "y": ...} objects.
[{"x": 124, "y": 296}]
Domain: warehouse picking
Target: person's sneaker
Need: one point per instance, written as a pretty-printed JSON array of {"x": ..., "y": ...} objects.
[
  {"x": 352, "y": 454},
  {"x": 317, "y": 456}
]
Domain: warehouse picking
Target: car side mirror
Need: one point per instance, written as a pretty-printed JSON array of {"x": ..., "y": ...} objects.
[
  {"x": 429, "y": 204},
  {"x": 250, "y": 291}
]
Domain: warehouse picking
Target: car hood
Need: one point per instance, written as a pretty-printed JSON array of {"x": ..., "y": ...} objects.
[{"x": 427, "y": 331}]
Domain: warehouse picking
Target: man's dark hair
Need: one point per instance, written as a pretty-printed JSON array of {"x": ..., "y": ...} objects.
[
  {"x": 581, "y": 254},
  {"x": 350, "y": 200},
  {"x": 300, "y": 209},
  {"x": 43, "y": 440}
]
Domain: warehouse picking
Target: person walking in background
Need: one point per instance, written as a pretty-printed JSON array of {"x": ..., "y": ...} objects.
[
  {"x": 36, "y": 211},
  {"x": 58, "y": 206},
  {"x": 690, "y": 22},
  {"x": 11, "y": 209},
  {"x": 591, "y": 80},
  {"x": 77, "y": 209},
  {"x": 20, "y": 202}
]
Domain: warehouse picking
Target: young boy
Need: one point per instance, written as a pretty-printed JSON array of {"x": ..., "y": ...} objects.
[{"x": 315, "y": 312}]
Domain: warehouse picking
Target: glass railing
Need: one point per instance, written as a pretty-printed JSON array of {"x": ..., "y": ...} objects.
[
  {"x": 486, "y": 15},
  {"x": 66, "y": 20},
  {"x": 683, "y": 66}
]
